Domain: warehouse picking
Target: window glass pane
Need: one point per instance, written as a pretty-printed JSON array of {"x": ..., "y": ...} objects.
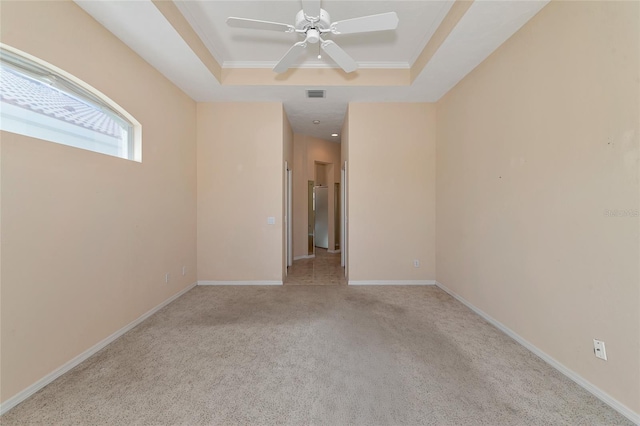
[{"x": 38, "y": 103}]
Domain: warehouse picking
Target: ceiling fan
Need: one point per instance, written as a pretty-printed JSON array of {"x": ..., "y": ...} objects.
[{"x": 313, "y": 22}]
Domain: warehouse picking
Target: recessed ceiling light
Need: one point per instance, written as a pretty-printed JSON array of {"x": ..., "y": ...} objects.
[
  {"x": 335, "y": 135},
  {"x": 316, "y": 121}
]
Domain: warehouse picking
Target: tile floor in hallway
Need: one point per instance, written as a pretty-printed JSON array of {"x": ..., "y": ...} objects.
[{"x": 324, "y": 269}]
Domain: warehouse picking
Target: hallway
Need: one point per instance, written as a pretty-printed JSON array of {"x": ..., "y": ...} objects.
[{"x": 324, "y": 269}]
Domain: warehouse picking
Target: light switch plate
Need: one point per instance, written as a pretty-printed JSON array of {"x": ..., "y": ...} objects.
[{"x": 271, "y": 220}]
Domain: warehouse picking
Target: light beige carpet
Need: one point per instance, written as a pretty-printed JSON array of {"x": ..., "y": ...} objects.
[{"x": 314, "y": 355}]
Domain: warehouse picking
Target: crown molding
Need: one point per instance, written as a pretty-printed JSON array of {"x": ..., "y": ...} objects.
[{"x": 313, "y": 65}]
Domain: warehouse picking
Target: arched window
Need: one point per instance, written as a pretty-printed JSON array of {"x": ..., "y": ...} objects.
[{"x": 41, "y": 101}]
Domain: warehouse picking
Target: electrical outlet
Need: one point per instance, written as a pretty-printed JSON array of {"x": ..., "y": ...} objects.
[
  {"x": 416, "y": 263},
  {"x": 184, "y": 271},
  {"x": 166, "y": 277},
  {"x": 599, "y": 350}
]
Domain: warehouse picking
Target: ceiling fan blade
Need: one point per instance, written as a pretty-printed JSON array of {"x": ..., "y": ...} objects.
[
  {"x": 311, "y": 8},
  {"x": 254, "y": 24},
  {"x": 290, "y": 57},
  {"x": 381, "y": 22},
  {"x": 340, "y": 57}
]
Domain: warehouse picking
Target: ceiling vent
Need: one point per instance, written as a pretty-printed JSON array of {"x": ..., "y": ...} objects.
[{"x": 315, "y": 93}]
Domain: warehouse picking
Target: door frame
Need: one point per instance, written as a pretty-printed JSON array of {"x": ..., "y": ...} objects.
[
  {"x": 344, "y": 224},
  {"x": 289, "y": 216}
]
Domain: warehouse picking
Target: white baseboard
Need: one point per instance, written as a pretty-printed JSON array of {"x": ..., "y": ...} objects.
[
  {"x": 596, "y": 391},
  {"x": 306, "y": 256},
  {"x": 392, "y": 282},
  {"x": 333, "y": 251},
  {"x": 239, "y": 282},
  {"x": 26, "y": 393}
]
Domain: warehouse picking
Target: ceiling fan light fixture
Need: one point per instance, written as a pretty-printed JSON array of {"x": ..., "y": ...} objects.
[{"x": 313, "y": 36}]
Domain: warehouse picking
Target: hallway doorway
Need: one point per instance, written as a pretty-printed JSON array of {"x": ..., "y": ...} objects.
[{"x": 317, "y": 215}]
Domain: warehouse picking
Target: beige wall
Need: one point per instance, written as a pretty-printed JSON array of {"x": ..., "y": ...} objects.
[
  {"x": 87, "y": 238},
  {"x": 240, "y": 181},
  {"x": 300, "y": 220},
  {"x": 308, "y": 150},
  {"x": 391, "y": 214},
  {"x": 321, "y": 177},
  {"x": 344, "y": 156},
  {"x": 534, "y": 146}
]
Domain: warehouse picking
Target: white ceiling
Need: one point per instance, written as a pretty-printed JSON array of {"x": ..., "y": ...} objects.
[{"x": 484, "y": 27}]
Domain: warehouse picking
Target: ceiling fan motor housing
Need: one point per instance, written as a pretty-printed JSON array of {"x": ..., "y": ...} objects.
[{"x": 322, "y": 22}]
